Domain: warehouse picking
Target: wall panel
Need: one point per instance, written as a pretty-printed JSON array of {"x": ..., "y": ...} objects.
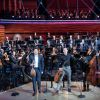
[
  {"x": 2, "y": 33},
  {"x": 54, "y": 27}
]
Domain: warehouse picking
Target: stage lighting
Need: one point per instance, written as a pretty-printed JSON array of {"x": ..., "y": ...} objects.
[
  {"x": 98, "y": 16},
  {"x": 52, "y": 17},
  {"x": 42, "y": 8}
]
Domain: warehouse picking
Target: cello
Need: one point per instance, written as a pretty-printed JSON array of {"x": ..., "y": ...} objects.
[
  {"x": 59, "y": 73},
  {"x": 57, "y": 76}
]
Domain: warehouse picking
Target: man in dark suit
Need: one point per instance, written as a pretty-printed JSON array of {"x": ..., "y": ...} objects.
[{"x": 37, "y": 62}]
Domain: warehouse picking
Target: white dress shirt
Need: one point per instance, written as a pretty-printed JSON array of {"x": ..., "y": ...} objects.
[{"x": 36, "y": 61}]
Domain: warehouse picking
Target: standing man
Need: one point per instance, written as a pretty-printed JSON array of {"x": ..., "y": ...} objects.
[
  {"x": 37, "y": 62},
  {"x": 66, "y": 69}
]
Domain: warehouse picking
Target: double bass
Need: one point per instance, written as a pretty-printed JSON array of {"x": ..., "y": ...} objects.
[{"x": 91, "y": 77}]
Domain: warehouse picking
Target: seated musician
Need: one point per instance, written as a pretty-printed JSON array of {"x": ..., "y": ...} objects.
[
  {"x": 14, "y": 61},
  {"x": 25, "y": 63},
  {"x": 66, "y": 69},
  {"x": 1, "y": 56}
]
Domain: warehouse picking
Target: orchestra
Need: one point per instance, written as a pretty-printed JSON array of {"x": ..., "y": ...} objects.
[{"x": 19, "y": 54}]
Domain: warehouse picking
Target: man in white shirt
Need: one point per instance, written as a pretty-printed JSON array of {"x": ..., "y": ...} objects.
[{"x": 37, "y": 62}]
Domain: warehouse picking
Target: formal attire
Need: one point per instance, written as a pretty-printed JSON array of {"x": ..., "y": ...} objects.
[{"x": 38, "y": 66}]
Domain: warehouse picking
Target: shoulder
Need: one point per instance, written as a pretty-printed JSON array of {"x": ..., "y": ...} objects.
[
  {"x": 41, "y": 56},
  {"x": 31, "y": 55},
  {"x": 69, "y": 55}
]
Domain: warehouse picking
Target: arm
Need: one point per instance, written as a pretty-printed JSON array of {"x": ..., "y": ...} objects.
[{"x": 30, "y": 61}]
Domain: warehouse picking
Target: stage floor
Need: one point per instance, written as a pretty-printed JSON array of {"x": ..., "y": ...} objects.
[{"x": 25, "y": 93}]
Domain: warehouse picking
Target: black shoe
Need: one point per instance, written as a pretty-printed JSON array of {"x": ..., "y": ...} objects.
[
  {"x": 33, "y": 94},
  {"x": 69, "y": 90},
  {"x": 55, "y": 93},
  {"x": 88, "y": 90},
  {"x": 39, "y": 91},
  {"x": 83, "y": 90}
]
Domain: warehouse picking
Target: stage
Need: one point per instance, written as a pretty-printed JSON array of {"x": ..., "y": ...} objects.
[{"x": 25, "y": 93}]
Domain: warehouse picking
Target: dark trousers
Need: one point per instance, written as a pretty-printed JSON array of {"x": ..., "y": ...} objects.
[
  {"x": 37, "y": 81},
  {"x": 85, "y": 83}
]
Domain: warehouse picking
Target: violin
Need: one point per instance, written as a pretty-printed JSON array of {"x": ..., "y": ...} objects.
[{"x": 6, "y": 56}]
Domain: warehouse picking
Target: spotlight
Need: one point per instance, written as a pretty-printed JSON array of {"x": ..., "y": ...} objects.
[
  {"x": 52, "y": 17},
  {"x": 20, "y": 16},
  {"x": 32, "y": 16},
  {"x": 13, "y": 16},
  {"x": 98, "y": 16}
]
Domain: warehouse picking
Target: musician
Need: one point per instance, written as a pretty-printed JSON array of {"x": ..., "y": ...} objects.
[
  {"x": 1, "y": 52},
  {"x": 66, "y": 69},
  {"x": 97, "y": 59},
  {"x": 13, "y": 59},
  {"x": 36, "y": 61},
  {"x": 41, "y": 40},
  {"x": 61, "y": 41},
  {"x": 85, "y": 68},
  {"x": 1, "y": 56},
  {"x": 54, "y": 40},
  {"x": 7, "y": 42},
  {"x": 97, "y": 43},
  {"x": 30, "y": 38},
  {"x": 49, "y": 40},
  {"x": 25, "y": 63},
  {"x": 54, "y": 58}
]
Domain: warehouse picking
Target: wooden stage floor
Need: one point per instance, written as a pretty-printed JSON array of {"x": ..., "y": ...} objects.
[{"x": 25, "y": 93}]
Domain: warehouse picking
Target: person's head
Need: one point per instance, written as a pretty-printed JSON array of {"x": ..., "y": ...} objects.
[
  {"x": 40, "y": 37},
  {"x": 36, "y": 51},
  {"x": 61, "y": 37},
  {"x": 65, "y": 51},
  {"x": 54, "y": 37},
  {"x": 14, "y": 53}
]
